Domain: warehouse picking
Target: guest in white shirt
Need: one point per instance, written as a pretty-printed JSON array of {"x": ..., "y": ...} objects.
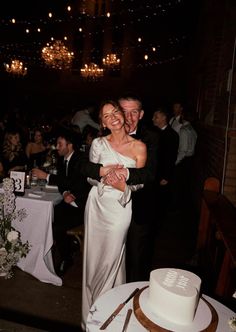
[
  {"x": 187, "y": 141},
  {"x": 83, "y": 117},
  {"x": 183, "y": 179},
  {"x": 176, "y": 121}
]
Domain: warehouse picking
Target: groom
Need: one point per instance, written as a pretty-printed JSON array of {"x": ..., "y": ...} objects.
[{"x": 140, "y": 241}]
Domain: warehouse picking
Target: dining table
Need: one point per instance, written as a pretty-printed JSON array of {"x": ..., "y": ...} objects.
[
  {"x": 36, "y": 228},
  {"x": 214, "y": 320}
]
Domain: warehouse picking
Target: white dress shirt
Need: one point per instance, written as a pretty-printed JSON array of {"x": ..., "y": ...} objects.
[{"x": 187, "y": 142}]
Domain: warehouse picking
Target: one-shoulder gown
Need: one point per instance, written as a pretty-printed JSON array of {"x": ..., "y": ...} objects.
[{"x": 107, "y": 219}]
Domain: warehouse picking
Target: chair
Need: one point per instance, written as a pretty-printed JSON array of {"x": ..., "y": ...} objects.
[{"x": 78, "y": 233}]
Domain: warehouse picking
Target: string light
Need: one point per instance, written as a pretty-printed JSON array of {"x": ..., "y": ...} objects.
[
  {"x": 133, "y": 16},
  {"x": 57, "y": 55}
]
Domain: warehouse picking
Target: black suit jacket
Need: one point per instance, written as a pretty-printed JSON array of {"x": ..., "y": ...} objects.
[
  {"x": 146, "y": 174},
  {"x": 75, "y": 181},
  {"x": 167, "y": 153},
  {"x": 144, "y": 200}
]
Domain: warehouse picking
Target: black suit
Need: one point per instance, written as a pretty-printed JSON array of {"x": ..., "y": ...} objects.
[
  {"x": 67, "y": 216},
  {"x": 167, "y": 155},
  {"x": 140, "y": 241}
]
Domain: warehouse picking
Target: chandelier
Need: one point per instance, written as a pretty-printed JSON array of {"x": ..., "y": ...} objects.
[
  {"x": 16, "y": 68},
  {"x": 91, "y": 72},
  {"x": 57, "y": 55},
  {"x": 111, "y": 60}
]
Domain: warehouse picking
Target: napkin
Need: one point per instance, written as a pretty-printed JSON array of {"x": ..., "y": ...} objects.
[{"x": 36, "y": 194}]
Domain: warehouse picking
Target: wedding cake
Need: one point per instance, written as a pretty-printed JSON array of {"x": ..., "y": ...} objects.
[{"x": 174, "y": 294}]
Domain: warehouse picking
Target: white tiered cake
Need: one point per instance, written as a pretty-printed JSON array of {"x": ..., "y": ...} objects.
[{"x": 174, "y": 294}]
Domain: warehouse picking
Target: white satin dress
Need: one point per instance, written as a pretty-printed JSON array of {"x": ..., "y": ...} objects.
[{"x": 107, "y": 219}]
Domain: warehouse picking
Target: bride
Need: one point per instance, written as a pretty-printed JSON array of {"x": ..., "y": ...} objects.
[{"x": 108, "y": 209}]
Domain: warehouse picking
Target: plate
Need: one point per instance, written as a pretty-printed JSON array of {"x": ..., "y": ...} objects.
[{"x": 205, "y": 316}]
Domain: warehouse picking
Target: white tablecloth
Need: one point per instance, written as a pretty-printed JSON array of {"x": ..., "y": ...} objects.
[
  {"x": 37, "y": 229},
  {"x": 108, "y": 302}
]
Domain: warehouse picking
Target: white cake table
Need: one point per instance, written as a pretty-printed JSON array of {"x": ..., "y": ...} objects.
[{"x": 108, "y": 302}]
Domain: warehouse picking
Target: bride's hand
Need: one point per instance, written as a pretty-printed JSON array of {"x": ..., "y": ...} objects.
[
  {"x": 118, "y": 182},
  {"x": 104, "y": 170}
]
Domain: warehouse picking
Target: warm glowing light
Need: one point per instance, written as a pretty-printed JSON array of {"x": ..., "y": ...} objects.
[
  {"x": 111, "y": 60},
  {"x": 50, "y": 15},
  {"x": 80, "y": 29},
  {"x": 65, "y": 38},
  {"x": 91, "y": 72},
  {"x": 108, "y": 14},
  {"x": 69, "y": 8},
  {"x": 39, "y": 30},
  {"x": 146, "y": 57},
  {"x": 154, "y": 49},
  {"x": 139, "y": 39},
  {"x": 57, "y": 55},
  {"x": 16, "y": 68},
  {"x": 13, "y": 21},
  {"x": 27, "y": 30}
]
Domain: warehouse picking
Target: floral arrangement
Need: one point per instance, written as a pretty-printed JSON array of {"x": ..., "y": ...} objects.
[{"x": 11, "y": 246}]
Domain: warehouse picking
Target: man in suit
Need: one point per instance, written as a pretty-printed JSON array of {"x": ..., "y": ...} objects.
[
  {"x": 140, "y": 239},
  {"x": 167, "y": 155},
  {"x": 74, "y": 188}
]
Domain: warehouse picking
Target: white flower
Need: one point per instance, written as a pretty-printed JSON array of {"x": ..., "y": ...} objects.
[
  {"x": 11, "y": 246},
  {"x": 3, "y": 252},
  {"x": 12, "y": 236}
]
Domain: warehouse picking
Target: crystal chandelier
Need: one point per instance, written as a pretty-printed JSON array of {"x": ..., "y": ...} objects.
[
  {"x": 16, "y": 68},
  {"x": 111, "y": 60},
  {"x": 91, "y": 72},
  {"x": 57, "y": 55}
]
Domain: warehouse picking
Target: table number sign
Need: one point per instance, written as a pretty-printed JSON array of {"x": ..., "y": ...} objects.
[{"x": 19, "y": 181}]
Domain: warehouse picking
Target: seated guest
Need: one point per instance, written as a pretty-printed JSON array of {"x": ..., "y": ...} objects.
[
  {"x": 14, "y": 157},
  {"x": 36, "y": 150},
  {"x": 74, "y": 188},
  {"x": 88, "y": 135}
]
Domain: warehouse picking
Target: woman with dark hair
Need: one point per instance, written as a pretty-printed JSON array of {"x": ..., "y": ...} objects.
[
  {"x": 36, "y": 150},
  {"x": 108, "y": 208}
]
